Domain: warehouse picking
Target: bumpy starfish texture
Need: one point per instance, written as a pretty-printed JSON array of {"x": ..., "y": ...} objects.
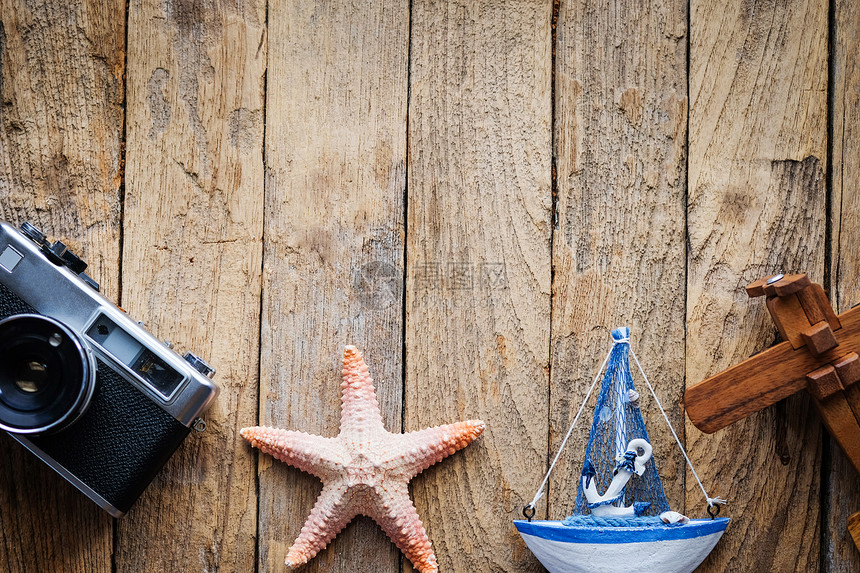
[{"x": 365, "y": 470}]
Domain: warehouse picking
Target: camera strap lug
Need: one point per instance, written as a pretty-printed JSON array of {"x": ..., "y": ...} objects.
[{"x": 199, "y": 425}]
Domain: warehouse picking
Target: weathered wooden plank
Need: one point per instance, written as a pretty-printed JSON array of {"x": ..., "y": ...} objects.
[
  {"x": 192, "y": 263},
  {"x": 333, "y": 273},
  {"x": 478, "y": 280},
  {"x": 618, "y": 249},
  {"x": 843, "y": 489},
  {"x": 61, "y": 142},
  {"x": 60, "y": 153},
  {"x": 757, "y": 137}
]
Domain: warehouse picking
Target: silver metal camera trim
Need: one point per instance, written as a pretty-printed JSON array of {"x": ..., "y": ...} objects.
[{"x": 57, "y": 292}]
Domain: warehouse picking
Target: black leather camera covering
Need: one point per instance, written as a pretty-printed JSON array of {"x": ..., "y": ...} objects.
[
  {"x": 119, "y": 444},
  {"x": 10, "y": 304}
]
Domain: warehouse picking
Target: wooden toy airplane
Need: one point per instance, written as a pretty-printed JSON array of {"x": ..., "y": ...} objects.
[{"x": 819, "y": 353}]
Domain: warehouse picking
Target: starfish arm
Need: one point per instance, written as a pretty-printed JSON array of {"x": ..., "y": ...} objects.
[
  {"x": 396, "y": 515},
  {"x": 315, "y": 455},
  {"x": 359, "y": 405},
  {"x": 331, "y": 513},
  {"x": 425, "y": 447}
]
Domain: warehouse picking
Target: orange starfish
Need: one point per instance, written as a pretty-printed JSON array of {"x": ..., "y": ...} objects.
[{"x": 365, "y": 470}]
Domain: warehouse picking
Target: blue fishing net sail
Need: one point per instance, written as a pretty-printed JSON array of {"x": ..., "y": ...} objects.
[{"x": 617, "y": 420}]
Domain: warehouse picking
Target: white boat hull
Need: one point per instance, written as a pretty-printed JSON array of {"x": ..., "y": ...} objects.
[{"x": 584, "y": 549}]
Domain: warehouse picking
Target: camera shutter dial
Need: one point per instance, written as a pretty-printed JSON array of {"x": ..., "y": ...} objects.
[
  {"x": 58, "y": 253},
  {"x": 33, "y": 232}
]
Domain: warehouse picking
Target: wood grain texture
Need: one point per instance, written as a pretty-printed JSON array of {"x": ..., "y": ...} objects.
[
  {"x": 488, "y": 332},
  {"x": 61, "y": 140},
  {"x": 478, "y": 280},
  {"x": 333, "y": 273},
  {"x": 843, "y": 484},
  {"x": 787, "y": 285},
  {"x": 192, "y": 263},
  {"x": 848, "y": 368},
  {"x": 852, "y": 395},
  {"x": 757, "y": 158},
  {"x": 60, "y": 154},
  {"x": 823, "y": 382},
  {"x": 618, "y": 249},
  {"x": 820, "y": 338},
  {"x": 787, "y": 313}
]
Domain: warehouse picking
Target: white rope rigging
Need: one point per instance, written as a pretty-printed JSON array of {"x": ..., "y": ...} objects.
[
  {"x": 711, "y": 500},
  {"x": 540, "y": 493}
]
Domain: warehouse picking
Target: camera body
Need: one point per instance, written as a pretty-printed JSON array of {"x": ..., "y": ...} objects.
[{"x": 82, "y": 385}]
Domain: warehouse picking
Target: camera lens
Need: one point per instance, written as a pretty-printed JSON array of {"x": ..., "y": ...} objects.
[{"x": 47, "y": 375}]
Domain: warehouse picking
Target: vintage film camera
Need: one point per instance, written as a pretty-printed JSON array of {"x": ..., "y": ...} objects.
[{"x": 82, "y": 385}]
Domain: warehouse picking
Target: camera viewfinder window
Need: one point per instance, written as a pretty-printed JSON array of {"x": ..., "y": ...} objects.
[
  {"x": 133, "y": 354},
  {"x": 156, "y": 371}
]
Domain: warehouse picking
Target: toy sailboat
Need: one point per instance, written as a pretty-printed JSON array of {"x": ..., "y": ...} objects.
[{"x": 629, "y": 526}]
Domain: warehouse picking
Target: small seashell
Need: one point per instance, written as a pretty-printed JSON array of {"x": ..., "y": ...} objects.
[
  {"x": 605, "y": 414},
  {"x": 672, "y": 517}
]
